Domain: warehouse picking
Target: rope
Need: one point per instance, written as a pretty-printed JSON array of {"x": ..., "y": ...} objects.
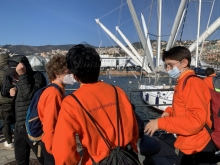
[
  {"x": 107, "y": 37},
  {"x": 148, "y": 27},
  {"x": 110, "y": 39},
  {"x": 137, "y": 14},
  {"x": 215, "y": 36},
  {"x": 213, "y": 2},
  {"x": 119, "y": 7},
  {"x": 120, "y": 11},
  {"x": 99, "y": 37},
  {"x": 150, "y": 14},
  {"x": 112, "y": 10},
  {"x": 217, "y": 16},
  {"x": 119, "y": 17},
  {"x": 184, "y": 21},
  {"x": 190, "y": 31}
]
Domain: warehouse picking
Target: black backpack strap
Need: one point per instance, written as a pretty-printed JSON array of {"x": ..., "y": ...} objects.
[
  {"x": 117, "y": 114},
  {"x": 184, "y": 84},
  {"x": 208, "y": 129},
  {"x": 93, "y": 121},
  {"x": 185, "y": 80},
  {"x": 56, "y": 86}
]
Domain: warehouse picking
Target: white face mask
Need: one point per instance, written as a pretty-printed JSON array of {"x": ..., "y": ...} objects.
[
  {"x": 68, "y": 79},
  {"x": 174, "y": 73}
]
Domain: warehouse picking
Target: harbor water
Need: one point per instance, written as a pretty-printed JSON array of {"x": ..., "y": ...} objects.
[{"x": 129, "y": 84}]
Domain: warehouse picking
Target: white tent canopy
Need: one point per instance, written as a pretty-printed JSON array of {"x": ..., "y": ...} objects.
[{"x": 37, "y": 62}]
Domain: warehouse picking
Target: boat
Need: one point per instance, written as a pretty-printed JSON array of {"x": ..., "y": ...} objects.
[
  {"x": 166, "y": 97},
  {"x": 153, "y": 92}
]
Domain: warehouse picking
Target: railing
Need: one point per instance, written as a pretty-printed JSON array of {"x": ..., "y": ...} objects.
[
  {"x": 70, "y": 89},
  {"x": 138, "y": 91}
]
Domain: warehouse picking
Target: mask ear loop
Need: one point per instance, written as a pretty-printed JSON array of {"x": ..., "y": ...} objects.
[
  {"x": 75, "y": 78},
  {"x": 184, "y": 68}
]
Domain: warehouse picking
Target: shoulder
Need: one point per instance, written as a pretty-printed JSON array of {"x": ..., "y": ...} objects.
[
  {"x": 53, "y": 89},
  {"x": 119, "y": 90},
  {"x": 196, "y": 84},
  {"x": 208, "y": 78},
  {"x": 69, "y": 99},
  {"x": 38, "y": 74},
  {"x": 69, "y": 103},
  {"x": 189, "y": 80},
  {"x": 110, "y": 87},
  {"x": 51, "y": 92},
  {"x": 194, "y": 80}
]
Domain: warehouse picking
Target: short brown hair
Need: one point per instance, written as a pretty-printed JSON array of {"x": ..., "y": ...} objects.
[
  {"x": 177, "y": 53},
  {"x": 57, "y": 65}
]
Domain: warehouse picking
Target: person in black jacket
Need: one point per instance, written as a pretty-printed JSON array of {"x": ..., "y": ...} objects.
[
  {"x": 27, "y": 83},
  {"x": 5, "y": 102}
]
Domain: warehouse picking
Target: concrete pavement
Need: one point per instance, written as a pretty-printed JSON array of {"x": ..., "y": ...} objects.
[
  {"x": 7, "y": 155},
  {"x": 166, "y": 156}
]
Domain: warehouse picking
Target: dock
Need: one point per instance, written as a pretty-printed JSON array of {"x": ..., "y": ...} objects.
[{"x": 166, "y": 156}]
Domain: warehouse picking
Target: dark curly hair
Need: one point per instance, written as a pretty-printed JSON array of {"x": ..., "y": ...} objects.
[
  {"x": 209, "y": 71},
  {"x": 57, "y": 65},
  {"x": 84, "y": 62},
  {"x": 177, "y": 53}
]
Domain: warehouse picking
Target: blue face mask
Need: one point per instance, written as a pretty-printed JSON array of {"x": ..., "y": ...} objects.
[{"x": 174, "y": 73}]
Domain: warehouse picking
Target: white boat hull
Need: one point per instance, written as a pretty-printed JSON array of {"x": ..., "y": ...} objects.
[{"x": 157, "y": 97}]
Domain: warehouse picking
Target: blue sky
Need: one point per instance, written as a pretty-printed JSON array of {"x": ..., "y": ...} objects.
[{"x": 57, "y": 22}]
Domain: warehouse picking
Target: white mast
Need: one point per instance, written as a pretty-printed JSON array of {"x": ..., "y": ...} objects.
[
  {"x": 121, "y": 45},
  {"x": 132, "y": 48},
  {"x": 129, "y": 44},
  {"x": 198, "y": 29},
  {"x": 146, "y": 35},
  {"x": 140, "y": 34},
  {"x": 159, "y": 32},
  {"x": 178, "y": 27},
  {"x": 176, "y": 24},
  {"x": 212, "y": 28}
]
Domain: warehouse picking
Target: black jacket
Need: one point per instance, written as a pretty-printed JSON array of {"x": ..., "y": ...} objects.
[
  {"x": 5, "y": 102},
  {"x": 26, "y": 85}
]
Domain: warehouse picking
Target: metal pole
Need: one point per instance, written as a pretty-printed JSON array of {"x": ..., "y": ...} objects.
[
  {"x": 121, "y": 45},
  {"x": 176, "y": 24},
  {"x": 198, "y": 30},
  {"x": 147, "y": 36},
  {"x": 179, "y": 26},
  {"x": 140, "y": 34},
  {"x": 129, "y": 44},
  {"x": 212, "y": 28},
  {"x": 159, "y": 32}
]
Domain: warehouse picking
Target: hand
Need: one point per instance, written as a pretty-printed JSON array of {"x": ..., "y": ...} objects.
[
  {"x": 151, "y": 127},
  {"x": 165, "y": 114},
  {"x": 21, "y": 69},
  {"x": 13, "y": 91}
]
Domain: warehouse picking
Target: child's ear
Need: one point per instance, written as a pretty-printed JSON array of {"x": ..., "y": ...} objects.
[{"x": 185, "y": 62}]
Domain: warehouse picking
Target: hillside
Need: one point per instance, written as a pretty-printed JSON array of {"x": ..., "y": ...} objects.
[{"x": 29, "y": 50}]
